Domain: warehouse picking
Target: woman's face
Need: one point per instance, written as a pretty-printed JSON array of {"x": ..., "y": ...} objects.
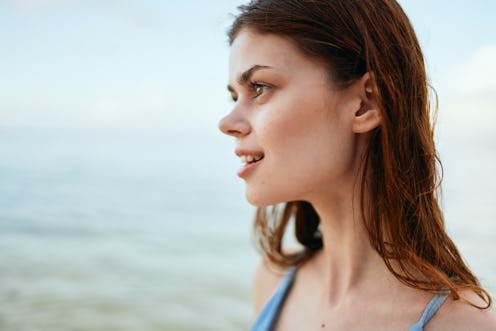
[{"x": 288, "y": 116}]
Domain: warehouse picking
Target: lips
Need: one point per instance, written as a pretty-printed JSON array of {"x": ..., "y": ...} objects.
[{"x": 250, "y": 159}]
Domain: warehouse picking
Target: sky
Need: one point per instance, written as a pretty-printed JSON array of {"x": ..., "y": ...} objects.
[
  {"x": 161, "y": 66},
  {"x": 113, "y": 64}
]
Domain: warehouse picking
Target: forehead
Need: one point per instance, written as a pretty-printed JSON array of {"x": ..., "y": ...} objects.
[{"x": 251, "y": 48}]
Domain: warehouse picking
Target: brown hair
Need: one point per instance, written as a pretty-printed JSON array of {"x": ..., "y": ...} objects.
[{"x": 404, "y": 221}]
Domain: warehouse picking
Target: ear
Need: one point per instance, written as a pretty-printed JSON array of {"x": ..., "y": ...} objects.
[{"x": 369, "y": 116}]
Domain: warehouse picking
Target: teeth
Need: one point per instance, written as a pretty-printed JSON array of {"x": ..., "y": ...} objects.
[{"x": 250, "y": 158}]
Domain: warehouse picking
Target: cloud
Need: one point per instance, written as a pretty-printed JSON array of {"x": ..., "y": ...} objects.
[
  {"x": 478, "y": 74},
  {"x": 132, "y": 15},
  {"x": 468, "y": 106},
  {"x": 39, "y": 4}
]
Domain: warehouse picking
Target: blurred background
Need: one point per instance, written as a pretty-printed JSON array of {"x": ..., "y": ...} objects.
[{"x": 120, "y": 208}]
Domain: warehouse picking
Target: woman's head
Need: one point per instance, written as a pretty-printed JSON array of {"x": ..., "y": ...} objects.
[
  {"x": 352, "y": 38},
  {"x": 374, "y": 43},
  {"x": 289, "y": 114}
]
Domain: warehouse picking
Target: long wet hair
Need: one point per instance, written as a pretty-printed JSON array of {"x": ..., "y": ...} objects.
[{"x": 400, "y": 177}]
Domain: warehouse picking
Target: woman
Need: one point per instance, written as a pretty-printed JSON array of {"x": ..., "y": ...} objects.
[{"x": 332, "y": 122}]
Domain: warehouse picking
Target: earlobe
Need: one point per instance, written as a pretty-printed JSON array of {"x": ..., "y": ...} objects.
[{"x": 366, "y": 120}]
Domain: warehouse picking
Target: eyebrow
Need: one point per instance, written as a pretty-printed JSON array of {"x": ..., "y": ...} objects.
[{"x": 246, "y": 75}]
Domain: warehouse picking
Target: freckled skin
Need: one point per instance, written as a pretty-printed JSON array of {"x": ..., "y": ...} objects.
[{"x": 301, "y": 122}]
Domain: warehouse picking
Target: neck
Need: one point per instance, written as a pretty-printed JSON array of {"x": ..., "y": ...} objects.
[{"x": 347, "y": 262}]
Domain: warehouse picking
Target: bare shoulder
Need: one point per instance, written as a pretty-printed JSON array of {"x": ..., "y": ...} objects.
[
  {"x": 266, "y": 278},
  {"x": 460, "y": 316}
]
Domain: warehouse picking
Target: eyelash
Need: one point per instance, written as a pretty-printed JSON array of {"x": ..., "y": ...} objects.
[{"x": 255, "y": 86}]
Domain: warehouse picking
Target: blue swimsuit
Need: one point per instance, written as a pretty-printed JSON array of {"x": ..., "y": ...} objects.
[{"x": 267, "y": 318}]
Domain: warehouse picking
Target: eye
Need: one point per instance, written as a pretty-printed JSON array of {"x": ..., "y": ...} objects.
[{"x": 259, "y": 88}]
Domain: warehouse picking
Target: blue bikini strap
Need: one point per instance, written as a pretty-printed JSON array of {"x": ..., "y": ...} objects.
[{"x": 429, "y": 311}]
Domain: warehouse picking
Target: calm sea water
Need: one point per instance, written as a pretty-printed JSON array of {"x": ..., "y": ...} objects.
[
  {"x": 109, "y": 231},
  {"x": 121, "y": 232}
]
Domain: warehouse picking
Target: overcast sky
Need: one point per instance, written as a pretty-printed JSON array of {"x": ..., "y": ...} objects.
[{"x": 162, "y": 65}]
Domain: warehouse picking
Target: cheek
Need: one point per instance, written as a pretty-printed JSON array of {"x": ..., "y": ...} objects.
[
  {"x": 286, "y": 120},
  {"x": 310, "y": 145},
  {"x": 295, "y": 129},
  {"x": 281, "y": 134},
  {"x": 306, "y": 145},
  {"x": 294, "y": 140}
]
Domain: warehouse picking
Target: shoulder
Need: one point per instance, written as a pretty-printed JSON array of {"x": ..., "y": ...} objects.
[
  {"x": 461, "y": 316},
  {"x": 266, "y": 278}
]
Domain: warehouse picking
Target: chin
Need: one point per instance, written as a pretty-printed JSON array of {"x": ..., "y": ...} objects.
[
  {"x": 256, "y": 201},
  {"x": 261, "y": 200}
]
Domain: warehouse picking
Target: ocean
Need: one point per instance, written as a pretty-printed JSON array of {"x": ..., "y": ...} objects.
[{"x": 118, "y": 231}]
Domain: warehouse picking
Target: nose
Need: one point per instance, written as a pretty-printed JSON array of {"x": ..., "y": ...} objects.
[{"x": 234, "y": 124}]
